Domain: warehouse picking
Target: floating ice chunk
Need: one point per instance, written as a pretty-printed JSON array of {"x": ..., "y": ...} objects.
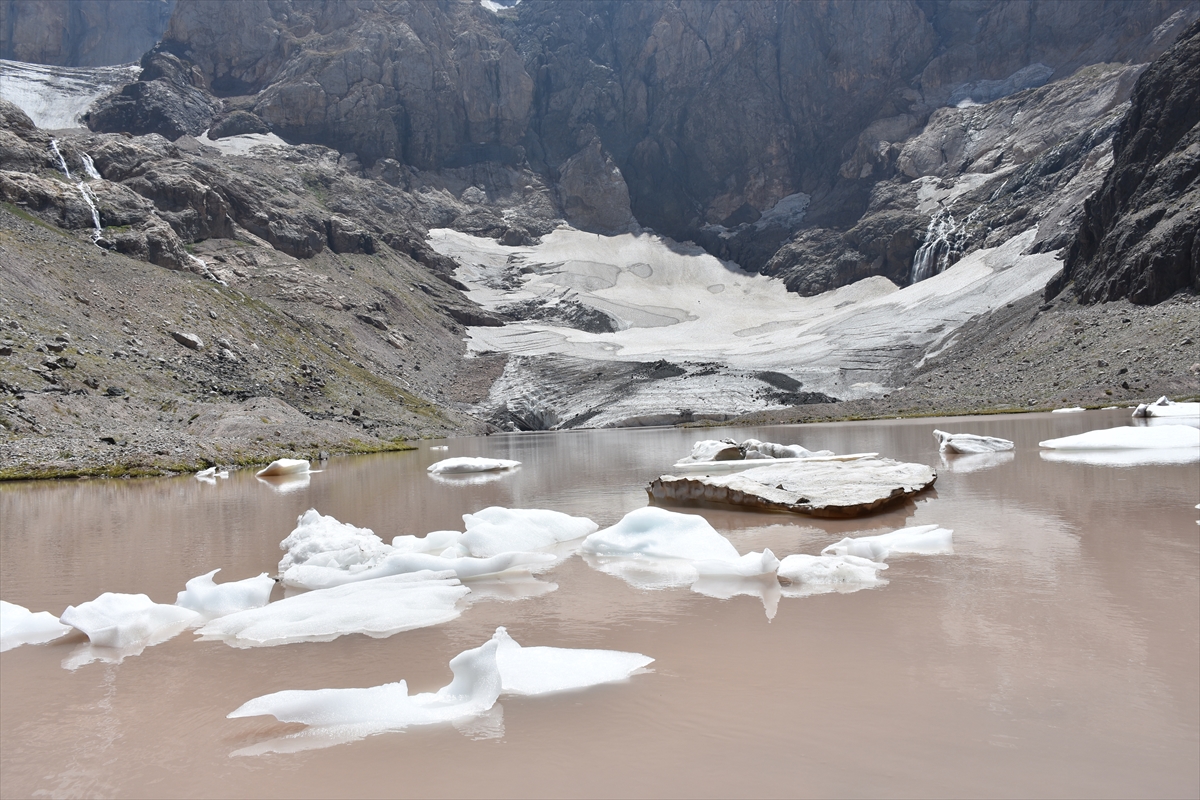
[
  {"x": 747, "y": 566},
  {"x": 19, "y": 625},
  {"x": 311, "y": 576},
  {"x": 432, "y": 542},
  {"x": 377, "y": 608},
  {"x": 809, "y": 570},
  {"x": 496, "y": 530},
  {"x": 1162, "y": 407},
  {"x": 461, "y": 464},
  {"x": 210, "y": 600},
  {"x": 440, "y": 447},
  {"x": 657, "y": 533},
  {"x": 211, "y": 472},
  {"x": 1074, "y": 410},
  {"x": 1144, "y": 457},
  {"x": 330, "y": 543},
  {"x": 927, "y": 540},
  {"x": 284, "y": 466},
  {"x": 127, "y": 620},
  {"x": 541, "y": 670},
  {"x": 1128, "y": 438},
  {"x": 754, "y": 448},
  {"x": 716, "y": 450},
  {"x": 968, "y": 443},
  {"x": 341, "y": 715}
]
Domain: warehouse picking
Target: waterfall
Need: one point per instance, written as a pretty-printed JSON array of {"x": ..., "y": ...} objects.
[
  {"x": 85, "y": 191},
  {"x": 944, "y": 241}
]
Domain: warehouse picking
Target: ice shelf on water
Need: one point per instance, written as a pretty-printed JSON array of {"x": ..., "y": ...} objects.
[
  {"x": 211, "y": 600},
  {"x": 378, "y": 608},
  {"x": 1129, "y": 438},
  {"x": 469, "y": 464},
  {"x": 969, "y": 443},
  {"x": 1189, "y": 413},
  {"x": 1072, "y": 410},
  {"x": 926, "y": 540},
  {"x": 19, "y": 625},
  {"x": 122, "y": 625},
  {"x": 284, "y": 466},
  {"x": 481, "y": 675},
  {"x": 323, "y": 552}
]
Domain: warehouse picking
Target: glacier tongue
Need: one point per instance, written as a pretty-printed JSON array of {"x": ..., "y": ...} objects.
[{"x": 56, "y": 97}]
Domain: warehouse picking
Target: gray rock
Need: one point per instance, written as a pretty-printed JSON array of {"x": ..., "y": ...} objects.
[{"x": 188, "y": 340}]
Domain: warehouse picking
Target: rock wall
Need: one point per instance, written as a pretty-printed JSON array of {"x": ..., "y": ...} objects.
[
  {"x": 81, "y": 33},
  {"x": 1140, "y": 235}
]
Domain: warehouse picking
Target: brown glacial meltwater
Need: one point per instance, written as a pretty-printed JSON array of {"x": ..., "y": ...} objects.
[{"x": 1055, "y": 653}]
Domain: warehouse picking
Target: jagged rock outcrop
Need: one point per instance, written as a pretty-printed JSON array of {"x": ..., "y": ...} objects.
[
  {"x": 168, "y": 99},
  {"x": 594, "y": 195},
  {"x": 81, "y": 33},
  {"x": 1140, "y": 234}
]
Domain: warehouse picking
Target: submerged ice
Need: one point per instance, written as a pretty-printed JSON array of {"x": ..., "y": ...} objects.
[{"x": 919, "y": 540}]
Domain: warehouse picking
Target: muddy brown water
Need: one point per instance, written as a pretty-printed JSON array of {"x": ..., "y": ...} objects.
[{"x": 1055, "y": 654}]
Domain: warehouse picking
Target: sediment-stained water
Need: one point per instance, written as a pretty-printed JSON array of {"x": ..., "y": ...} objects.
[{"x": 1055, "y": 653}]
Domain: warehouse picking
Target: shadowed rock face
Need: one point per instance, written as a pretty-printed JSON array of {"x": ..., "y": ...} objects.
[
  {"x": 1139, "y": 238},
  {"x": 81, "y": 33}
]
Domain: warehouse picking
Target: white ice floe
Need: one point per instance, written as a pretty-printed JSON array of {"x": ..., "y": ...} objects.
[
  {"x": 377, "y": 608},
  {"x": 542, "y": 670},
  {"x": 19, "y": 625},
  {"x": 439, "y": 447},
  {"x": 1129, "y": 438},
  {"x": 829, "y": 573},
  {"x": 1162, "y": 407},
  {"x": 127, "y": 620},
  {"x": 926, "y": 540},
  {"x": 211, "y": 600},
  {"x": 284, "y": 466},
  {"x": 653, "y": 548},
  {"x": 211, "y": 472},
  {"x": 468, "y": 464},
  {"x": 1074, "y": 410},
  {"x": 481, "y": 675},
  {"x": 969, "y": 443},
  {"x": 721, "y": 450},
  {"x": 323, "y": 552},
  {"x": 1140, "y": 457}
]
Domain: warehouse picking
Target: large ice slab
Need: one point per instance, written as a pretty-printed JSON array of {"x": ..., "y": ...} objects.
[
  {"x": 127, "y": 620},
  {"x": 19, "y": 625},
  {"x": 1129, "y": 438},
  {"x": 924, "y": 540},
  {"x": 808, "y": 486},
  {"x": 657, "y": 533},
  {"x": 377, "y": 608},
  {"x": 468, "y": 464},
  {"x": 542, "y": 670},
  {"x": 970, "y": 443},
  {"x": 1162, "y": 407},
  {"x": 211, "y": 600}
]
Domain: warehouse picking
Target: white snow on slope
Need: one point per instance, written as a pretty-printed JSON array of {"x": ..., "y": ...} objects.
[
  {"x": 56, "y": 97},
  {"x": 673, "y": 301}
]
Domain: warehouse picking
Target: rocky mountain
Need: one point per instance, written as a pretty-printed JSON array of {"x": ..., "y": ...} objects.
[
  {"x": 1140, "y": 233},
  {"x": 81, "y": 33}
]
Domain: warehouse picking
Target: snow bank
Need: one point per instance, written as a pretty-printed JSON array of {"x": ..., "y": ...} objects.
[
  {"x": 127, "y": 620},
  {"x": 481, "y": 675},
  {"x": 377, "y": 608},
  {"x": 926, "y": 540},
  {"x": 542, "y": 670},
  {"x": 465, "y": 464},
  {"x": 969, "y": 443},
  {"x": 19, "y": 625},
  {"x": 202, "y": 595},
  {"x": 284, "y": 466},
  {"x": 1162, "y": 407},
  {"x": 1128, "y": 438}
]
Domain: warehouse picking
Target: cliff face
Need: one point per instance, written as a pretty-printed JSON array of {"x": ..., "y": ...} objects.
[
  {"x": 1139, "y": 236},
  {"x": 81, "y": 33}
]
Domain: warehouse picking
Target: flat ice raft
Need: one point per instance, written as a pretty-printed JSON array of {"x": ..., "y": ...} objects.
[
  {"x": 1129, "y": 438},
  {"x": 462, "y": 465},
  {"x": 815, "y": 488}
]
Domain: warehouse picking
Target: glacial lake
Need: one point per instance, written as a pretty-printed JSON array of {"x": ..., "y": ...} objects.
[{"x": 1056, "y": 653}]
